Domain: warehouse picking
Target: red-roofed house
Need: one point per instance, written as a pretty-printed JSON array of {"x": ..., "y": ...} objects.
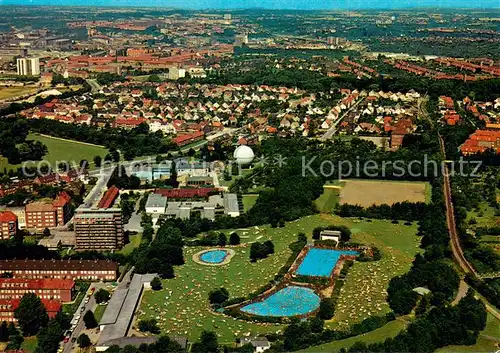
[
  {"x": 186, "y": 139},
  {"x": 8, "y": 224}
]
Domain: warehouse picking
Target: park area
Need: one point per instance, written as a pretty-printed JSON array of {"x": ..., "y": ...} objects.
[
  {"x": 377, "y": 192},
  {"x": 9, "y": 93},
  {"x": 61, "y": 150},
  {"x": 182, "y": 307}
]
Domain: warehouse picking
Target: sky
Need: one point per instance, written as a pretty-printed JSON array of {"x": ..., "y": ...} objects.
[{"x": 269, "y": 4}]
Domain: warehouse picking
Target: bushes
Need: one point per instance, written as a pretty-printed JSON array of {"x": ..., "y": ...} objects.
[
  {"x": 408, "y": 211},
  {"x": 148, "y": 326},
  {"x": 261, "y": 250},
  {"x": 326, "y": 308}
]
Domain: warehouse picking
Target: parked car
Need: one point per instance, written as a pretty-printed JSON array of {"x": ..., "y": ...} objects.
[{"x": 66, "y": 339}]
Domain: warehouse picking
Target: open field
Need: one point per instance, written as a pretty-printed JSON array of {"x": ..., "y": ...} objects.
[
  {"x": 182, "y": 306},
  {"x": 391, "y": 329},
  {"x": 61, "y": 150},
  {"x": 364, "y": 292},
  {"x": 13, "y": 92},
  {"x": 377, "y": 192},
  {"x": 328, "y": 200},
  {"x": 249, "y": 200},
  {"x": 134, "y": 242}
]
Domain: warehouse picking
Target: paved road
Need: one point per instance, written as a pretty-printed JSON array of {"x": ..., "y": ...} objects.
[
  {"x": 94, "y": 85},
  {"x": 91, "y": 305},
  {"x": 333, "y": 129}
]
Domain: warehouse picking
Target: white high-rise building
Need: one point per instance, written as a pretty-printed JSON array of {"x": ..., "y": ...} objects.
[{"x": 28, "y": 66}]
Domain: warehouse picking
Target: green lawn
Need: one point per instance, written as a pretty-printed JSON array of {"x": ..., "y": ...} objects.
[
  {"x": 29, "y": 344},
  {"x": 328, "y": 200},
  {"x": 182, "y": 306},
  {"x": 62, "y": 150},
  {"x": 99, "y": 312},
  {"x": 389, "y": 330},
  {"x": 485, "y": 217},
  {"x": 134, "y": 242},
  {"x": 364, "y": 292},
  {"x": 249, "y": 201}
]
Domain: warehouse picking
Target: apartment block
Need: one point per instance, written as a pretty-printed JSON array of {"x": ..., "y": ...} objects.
[
  {"x": 28, "y": 66},
  {"x": 48, "y": 213},
  {"x": 8, "y": 224},
  {"x": 103, "y": 270},
  {"x": 7, "y": 308},
  {"x": 53, "y": 289},
  {"x": 98, "y": 229}
]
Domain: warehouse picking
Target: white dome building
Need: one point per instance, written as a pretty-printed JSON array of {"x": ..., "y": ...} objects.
[{"x": 243, "y": 155}]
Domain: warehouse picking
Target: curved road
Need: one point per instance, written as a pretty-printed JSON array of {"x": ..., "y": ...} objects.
[{"x": 456, "y": 247}]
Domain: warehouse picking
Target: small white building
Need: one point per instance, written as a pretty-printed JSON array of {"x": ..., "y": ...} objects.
[
  {"x": 330, "y": 235},
  {"x": 156, "y": 204},
  {"x": 260, "y": 344}
]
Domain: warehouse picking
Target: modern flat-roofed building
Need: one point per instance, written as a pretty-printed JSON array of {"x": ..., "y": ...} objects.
[
  {"x": 54, "y": 289},
  {"x": 28, "y": 66},
  {"x": 7, "y": 308},
  {"x": 104, "y": 270},
  {"x": 8, "y": 224},
  {"x": 98, "y": 229}
]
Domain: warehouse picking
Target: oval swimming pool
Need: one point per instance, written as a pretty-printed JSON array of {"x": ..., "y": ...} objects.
[
  {"x": 289, "y": 301},
  {"x": 213, "y": 256}
]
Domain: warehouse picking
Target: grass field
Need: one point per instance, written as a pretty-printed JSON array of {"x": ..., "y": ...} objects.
[
  {"x": 134, "y": 242},
  {"x": 29, "y": 344},
  {"x": 389, "y": 330},
  {"x": 248, "y": 201},
  {"x": 364, "y": 292},
  {"x": 99, "y": 312},
  {"x": 182, "y": 306},
  {"x": 328, "y": 200},
  {"x": 62, "y": 150},
  {"x": 13, "y": 92},
  {"x": 369, "y": 192}
]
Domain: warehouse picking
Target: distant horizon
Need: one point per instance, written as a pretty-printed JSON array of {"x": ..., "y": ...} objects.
[{"x": 311, "y": 5}]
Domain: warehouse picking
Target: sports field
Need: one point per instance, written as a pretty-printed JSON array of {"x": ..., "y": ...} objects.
[
  {"x": 182, "y": 306},
  {"x": 13, "y": 92},
  {"x": 62, "y": 150},
  {"x": 377, "y": 192}
]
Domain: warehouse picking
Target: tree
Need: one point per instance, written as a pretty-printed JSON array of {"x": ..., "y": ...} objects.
[
  {"x": 222, "y": 239},
  {"x": 156, "y": 284},
  {"x": 166, "y": 271},
  {"x": 49, "y": 338},
  {"x": 31, "y": 314},
  {"x": 89, "y": 320},
  {"x": 98, "y": 161},
  {"x": 83, "y": 341},
  {"x": 102, "y": 296},
  {"x": 4, "y": 332},
  {"x": 46, "y": 232},
  {"x": 218, "y": 296},
  {"x": 316, "y": 324},
  {"x": 326, "y": 309},
  {"x": 148, "y": 326},
  {"x": 207, "y": 344},
  {"x": 234, "y": 238}
]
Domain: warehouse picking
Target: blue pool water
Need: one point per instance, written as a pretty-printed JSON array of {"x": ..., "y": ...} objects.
[
  {"x": 321, "y": 262},
  {"x": 289, "y": 301},
  {"x": 213, "y": 256}
]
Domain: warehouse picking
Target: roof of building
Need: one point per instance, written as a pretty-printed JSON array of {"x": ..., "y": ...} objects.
[
  {"x": 7, "y": 216},
  {"x": 156, "y": 200},
  {"x": 62, "y": 199},
  {"x": 48, "y": 265},
  {"x": 109, "y": 197},
  {"x": 8, "y": 305},
  {"x": 185, "y": 193},
  {"x": 231, "y": 203},
  {"x": 40, "y": 206}
]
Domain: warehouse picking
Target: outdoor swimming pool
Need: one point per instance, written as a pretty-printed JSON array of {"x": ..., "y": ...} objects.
[
  {"x": 213, "y": 256},
  {"x": 289, "y": 301},
  {"x": 321, "y": 262}
]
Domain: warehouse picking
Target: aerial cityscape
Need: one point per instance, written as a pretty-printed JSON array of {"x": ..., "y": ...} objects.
[{"x": 223, "y": 176}]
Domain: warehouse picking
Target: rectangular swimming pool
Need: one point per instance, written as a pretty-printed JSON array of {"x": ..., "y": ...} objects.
[{"x": 321, "y": 262}]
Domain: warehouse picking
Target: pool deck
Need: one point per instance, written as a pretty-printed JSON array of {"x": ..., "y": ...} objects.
[{"x": 227, "y": 259}]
